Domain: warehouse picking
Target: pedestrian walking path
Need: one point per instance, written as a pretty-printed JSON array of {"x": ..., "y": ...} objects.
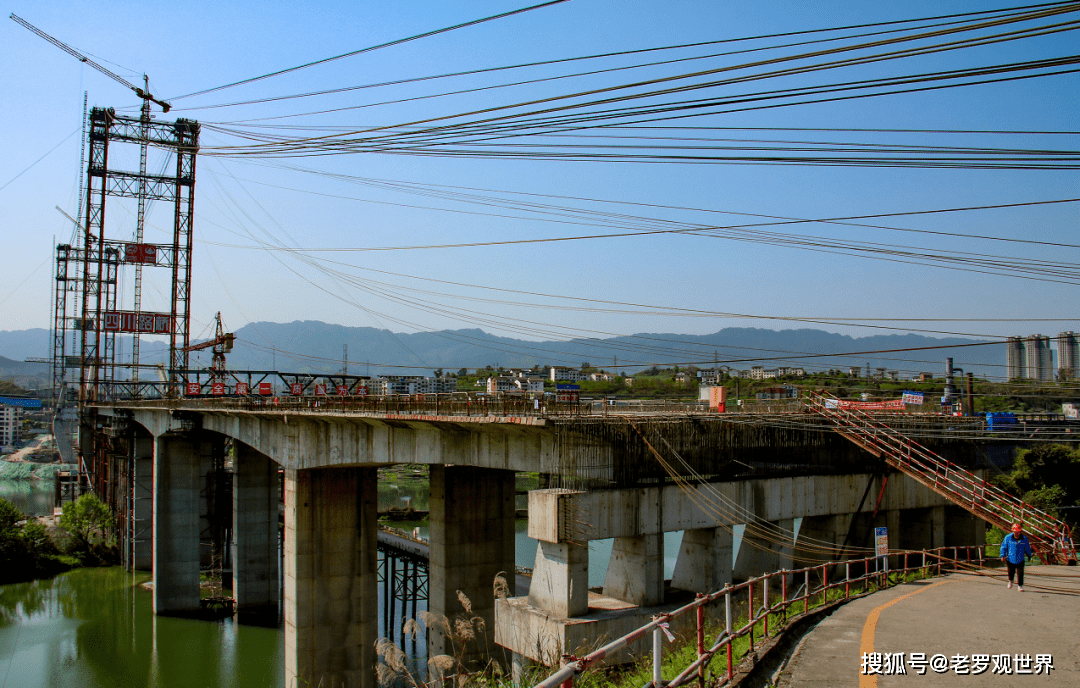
[{"x": 957, "y": 630}]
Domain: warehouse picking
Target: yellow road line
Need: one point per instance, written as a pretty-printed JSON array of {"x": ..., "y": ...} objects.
[{"x": 870, "y": 626}]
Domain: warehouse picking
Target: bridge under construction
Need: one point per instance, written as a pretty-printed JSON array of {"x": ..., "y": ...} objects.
[
  {"x": 752, "y": 493},
  {"x": 199, "y": 465}
]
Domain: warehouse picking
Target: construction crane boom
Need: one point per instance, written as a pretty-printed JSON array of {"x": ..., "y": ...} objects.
[
  {"x": 222, "y": 343},
  {"x": 142, "y": 93}
]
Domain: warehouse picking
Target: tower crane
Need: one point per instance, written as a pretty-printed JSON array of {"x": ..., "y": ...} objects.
[
  {"x": 143, "y": 93},
  {"x": 221, "y": 344},
  {"x": 144, "y": 140}
]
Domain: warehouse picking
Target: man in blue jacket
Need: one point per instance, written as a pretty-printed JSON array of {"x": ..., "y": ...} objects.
[{"x": 1015, "y": 549}]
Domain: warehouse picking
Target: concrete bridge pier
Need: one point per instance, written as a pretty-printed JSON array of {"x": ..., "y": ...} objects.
[
  {"x": 962, "y": 527},
  {"x": 758, "y": 552},
  {"x": 560, "y": 583},
  {"x": 472, "y": 541},
  {"x": 704, "y": 562},
  {"x": 331, "y": 594},
  {"x": 921, "y": 528},
  {"x": 821, "y": 539},
  {"x": 177, "y": 463},
  {"x": 635, "y": 572},
  {"x": 255, "y": 534},
  {"x": 142, "y": 531}
]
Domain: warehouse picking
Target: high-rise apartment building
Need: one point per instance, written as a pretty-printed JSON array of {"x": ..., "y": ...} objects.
[
  {"x": 1015, "y": 358},
  {"x": 1038, "y": 360},
  {"x": 1068, "y": 354}
]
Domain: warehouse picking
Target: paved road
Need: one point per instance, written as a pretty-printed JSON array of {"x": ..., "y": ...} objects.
[{"x": 957, "y": 614}]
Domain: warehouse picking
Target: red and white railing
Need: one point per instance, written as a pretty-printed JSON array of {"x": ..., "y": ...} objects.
[{"x": 813, "y": 583}]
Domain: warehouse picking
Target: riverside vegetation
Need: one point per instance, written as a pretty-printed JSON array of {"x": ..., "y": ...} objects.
[{"x": 29, "y": 549}]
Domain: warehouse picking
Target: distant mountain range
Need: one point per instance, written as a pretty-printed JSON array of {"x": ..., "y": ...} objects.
[{"x": 312, "y": 346}]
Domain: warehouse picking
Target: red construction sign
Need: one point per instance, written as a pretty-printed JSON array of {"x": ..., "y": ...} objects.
[
  {"x": 144, "y": 323},
  {"x": 242, "y": 388},
  {"x": 320, "y": 390},
  {"x": 264, "y": 389},
  {"x": 894, "y": 405},
  {"x": 296, "y": 389},
  {"x": 193, "y": 389},
  {"x": 140, "y": 253},
  {"x": 217, "y": 388},
  {"x": 361, "y": 391},
  {"x": 343, "y": 390}
]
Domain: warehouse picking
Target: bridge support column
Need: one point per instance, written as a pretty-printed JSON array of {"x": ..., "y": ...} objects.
[
  {"x": 331, "y": 610},
  {"x": 785, "y": 548},
  {"x": 704, "y": 563},
  {"x": 142, "y": 546},
  {"x": 635, "y": 571},
  {"x": 472, "y": 541},
  {"x": 560, "y": 583},
  {"x": 756, "y": 554},
  {"x": 962, "y": 528},
  {"x": 892, "y": 522},
  {"x": 255, "y": 533},
  {"x": 923, "y": 528},
  {"x": 822, "y": 538},
  {"x": 937, "y": 526},
  {"x": 176, "y": 524}
]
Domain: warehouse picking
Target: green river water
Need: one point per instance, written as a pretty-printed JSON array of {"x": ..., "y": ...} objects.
[{"x": 94, "y": 628}]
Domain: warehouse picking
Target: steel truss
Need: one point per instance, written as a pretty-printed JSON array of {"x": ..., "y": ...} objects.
[{"x": 100, "y": 258}]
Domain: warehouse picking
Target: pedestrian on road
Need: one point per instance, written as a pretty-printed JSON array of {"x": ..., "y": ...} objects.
[{"x": 1015, "y": 549}]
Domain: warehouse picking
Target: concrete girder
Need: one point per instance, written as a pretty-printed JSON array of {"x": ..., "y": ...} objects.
[{"x": 567, "y": 516}]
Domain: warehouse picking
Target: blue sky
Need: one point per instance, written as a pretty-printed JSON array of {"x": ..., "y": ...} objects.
[{"x": 198, "y": 45}]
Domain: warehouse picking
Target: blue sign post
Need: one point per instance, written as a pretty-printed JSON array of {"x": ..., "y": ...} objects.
[{"x": 881, "y": 547}]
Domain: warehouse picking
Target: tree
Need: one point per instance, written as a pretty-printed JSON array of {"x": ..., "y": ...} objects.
[
  {"x": 86, "y": 519},
  {"x": 463, "y": 372},
  {"x": 438, "y": 372},
  {"x": 9, "y": 516},
  {"x": 1046, "y": 476}
]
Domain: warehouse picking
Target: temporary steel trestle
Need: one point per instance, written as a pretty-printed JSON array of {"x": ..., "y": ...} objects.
[{"x": 1050, "y": 538}]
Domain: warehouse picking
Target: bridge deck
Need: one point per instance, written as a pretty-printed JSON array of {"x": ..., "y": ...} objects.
[{"x": 959, "y": 614}]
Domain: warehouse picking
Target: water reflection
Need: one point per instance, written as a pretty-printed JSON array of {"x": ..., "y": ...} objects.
[
  {"x": 33, "y": 497},
  {"x": 93, "y": 627}
]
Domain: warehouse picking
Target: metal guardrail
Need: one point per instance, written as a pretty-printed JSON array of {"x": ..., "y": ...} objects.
[{"x": 759, "y": 612}]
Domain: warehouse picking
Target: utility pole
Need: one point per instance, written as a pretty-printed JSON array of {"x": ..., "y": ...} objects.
[{"x": 345, "y": 358}]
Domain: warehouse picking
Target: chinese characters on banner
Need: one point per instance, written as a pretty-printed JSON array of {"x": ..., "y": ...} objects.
[
  {"x": 320, "y": 390},
  {"x": 894, "y": 405},
  {"x": 913, "y": 398},
  {"x": 343, "y": 390},
  {"x": 217, "y": 388},
  {"x": 567, "y": 394},
  {"x": 140, "y": 253},
  {"x": 193, "y": 388},
  {"x": 144, "y": 323},
  {"x": 242, "y": 388},
  {"x": 296, "y": 389}
]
